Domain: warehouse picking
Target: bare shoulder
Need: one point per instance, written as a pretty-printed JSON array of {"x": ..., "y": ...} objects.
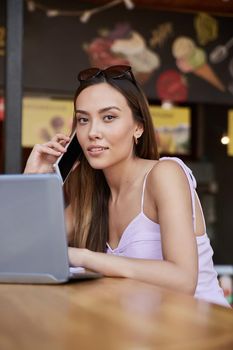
[
  {"x": 167, "y": 176},
  {"x": 165, "y": 170}
]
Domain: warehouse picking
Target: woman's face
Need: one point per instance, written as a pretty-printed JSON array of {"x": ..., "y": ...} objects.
[{"x": 105, "y": 126}]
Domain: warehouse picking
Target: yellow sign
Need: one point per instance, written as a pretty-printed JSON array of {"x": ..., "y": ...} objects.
[
  {"x": 230, "y": 133},
  {"x": 172, "y": 129},
  {"x": 43, "y": 118}
]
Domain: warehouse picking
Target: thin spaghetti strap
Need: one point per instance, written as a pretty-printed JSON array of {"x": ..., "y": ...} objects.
[
  {"x": 192, "y": 184},
  {"x": 143, "y": 188}
]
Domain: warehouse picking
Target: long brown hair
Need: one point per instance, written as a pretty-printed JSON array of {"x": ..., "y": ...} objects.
[{"x": 87, "y": 189}]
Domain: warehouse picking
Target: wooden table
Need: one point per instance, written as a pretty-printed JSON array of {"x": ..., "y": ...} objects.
[{"x": 109, "y": 313}]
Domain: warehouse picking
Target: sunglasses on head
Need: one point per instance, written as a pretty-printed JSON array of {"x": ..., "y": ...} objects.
[{"x": 113, "y": 72}]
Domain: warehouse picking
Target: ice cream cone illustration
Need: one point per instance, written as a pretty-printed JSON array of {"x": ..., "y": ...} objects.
[
  {"x": 191, "y": 59},
  {"x": 205, "y": 72}
]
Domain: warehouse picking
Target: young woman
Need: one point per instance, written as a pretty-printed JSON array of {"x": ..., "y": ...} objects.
[{"x": 129, "y": 213}]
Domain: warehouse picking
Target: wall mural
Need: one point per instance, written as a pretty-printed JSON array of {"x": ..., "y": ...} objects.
[
  {"x": 179, "y": 57},
  {"x": 125, "y": 45}
]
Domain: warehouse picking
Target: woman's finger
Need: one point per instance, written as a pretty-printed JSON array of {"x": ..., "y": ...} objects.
[
  {"x": 55, "y": 145},
  {"x": 43, "y": 149},
  {"x": 60, "y": 137}
]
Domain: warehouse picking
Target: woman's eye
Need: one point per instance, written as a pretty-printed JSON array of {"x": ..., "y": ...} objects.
[
  {"x": 109, "y": 118},
  {"x": 82, "y": 120}
]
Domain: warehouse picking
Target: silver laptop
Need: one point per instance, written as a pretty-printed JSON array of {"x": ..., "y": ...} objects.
[{"x": 33, "y": 245}]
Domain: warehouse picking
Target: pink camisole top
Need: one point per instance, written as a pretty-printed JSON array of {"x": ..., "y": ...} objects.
[{"x": 142, "y": 239}]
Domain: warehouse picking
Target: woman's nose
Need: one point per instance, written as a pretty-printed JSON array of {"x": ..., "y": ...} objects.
[{"x": 94, "y": 131}]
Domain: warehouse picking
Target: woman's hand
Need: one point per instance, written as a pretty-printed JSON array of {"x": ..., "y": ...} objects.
[
  {"x": 43, "y": 156},
  {"x": 77, "y": 256}
]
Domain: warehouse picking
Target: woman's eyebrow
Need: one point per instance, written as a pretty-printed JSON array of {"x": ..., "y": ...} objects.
[
  {"x": 108, "y": 108},
  {"x": 81, "y": 111},
  {"x": 105, "y": 109}
]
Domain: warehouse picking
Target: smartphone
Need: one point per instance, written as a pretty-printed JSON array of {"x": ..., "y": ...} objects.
[{"x": 66, "y": 161}]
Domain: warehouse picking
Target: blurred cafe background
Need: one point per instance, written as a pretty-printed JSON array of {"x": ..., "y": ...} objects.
[{"x": 180, "y": 51}]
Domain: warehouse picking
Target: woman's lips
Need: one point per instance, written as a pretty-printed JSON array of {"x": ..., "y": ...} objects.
[{"x": 96, "y": 150}]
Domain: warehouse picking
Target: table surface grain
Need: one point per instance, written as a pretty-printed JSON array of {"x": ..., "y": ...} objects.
[{"x": 109, "y": 313}]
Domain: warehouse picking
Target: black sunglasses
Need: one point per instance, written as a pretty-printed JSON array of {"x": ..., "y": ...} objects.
[{"x": 112, "y": 72}]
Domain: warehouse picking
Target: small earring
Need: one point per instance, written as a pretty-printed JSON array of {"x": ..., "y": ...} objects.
[{"x": 135, "y": 140}]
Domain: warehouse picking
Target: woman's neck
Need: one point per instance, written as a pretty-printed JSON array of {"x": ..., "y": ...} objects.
[{"x": 123, "y": 176}]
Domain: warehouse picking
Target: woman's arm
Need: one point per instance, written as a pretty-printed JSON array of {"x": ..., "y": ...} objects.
[
  {"x": 179, "y": 269},
  {"x": 160, "y": 273}
]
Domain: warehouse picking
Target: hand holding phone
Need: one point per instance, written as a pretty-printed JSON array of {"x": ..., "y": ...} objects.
[{"x": 67, "y": 160}]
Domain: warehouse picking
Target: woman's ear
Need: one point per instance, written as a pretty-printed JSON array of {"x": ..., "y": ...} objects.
[{"x": 138, "y": 131}]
